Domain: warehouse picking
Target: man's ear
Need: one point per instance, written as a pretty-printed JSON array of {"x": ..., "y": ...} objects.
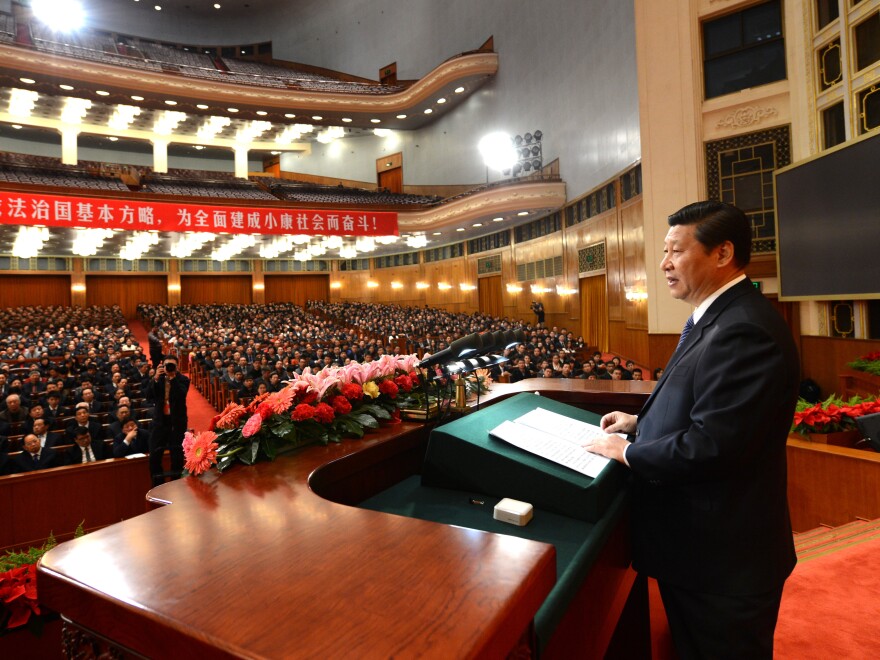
[{"x": 725, "y": 254}]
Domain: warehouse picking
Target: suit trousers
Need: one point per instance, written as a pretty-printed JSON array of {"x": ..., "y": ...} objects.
[
  {"x": 719, "y": 627},
  {"x": 165, "y": 433}
]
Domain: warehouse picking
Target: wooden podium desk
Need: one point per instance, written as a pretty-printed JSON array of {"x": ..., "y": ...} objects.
[{"x": 272, "y": 561}]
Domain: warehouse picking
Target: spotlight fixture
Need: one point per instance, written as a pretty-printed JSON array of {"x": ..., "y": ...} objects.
[{"x": 529, "y": 153}]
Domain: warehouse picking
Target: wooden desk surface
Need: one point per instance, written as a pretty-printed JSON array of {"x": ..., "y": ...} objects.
[{"x": 257, "y": 564}]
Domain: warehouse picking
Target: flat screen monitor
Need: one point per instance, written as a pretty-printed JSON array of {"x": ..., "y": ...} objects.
[{"x": 828, "y": 224}]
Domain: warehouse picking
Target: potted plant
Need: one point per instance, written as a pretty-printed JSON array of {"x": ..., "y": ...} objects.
[{"x": 832, "y": 421}]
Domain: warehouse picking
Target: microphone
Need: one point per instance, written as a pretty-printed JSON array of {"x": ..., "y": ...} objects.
[
  {"x": 463, "y": 347},
  {"x": 504, "y": 339}
]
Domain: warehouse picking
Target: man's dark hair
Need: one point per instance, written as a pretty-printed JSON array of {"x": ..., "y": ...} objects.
[
  {"x": 81, "y": 431},
  {"x": 717, "y": 222}
]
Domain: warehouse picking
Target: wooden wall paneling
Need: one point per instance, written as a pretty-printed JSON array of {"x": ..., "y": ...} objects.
[
  {"x": 635, "y": 314},
  {"x": 824, "y": 358},
  {"x": 490, "y": 295},
  {"x": 406, "y": 276},
  {"x": 830, "y": 485},
  {"x": 614, "y": 264},
  {"x": 593, "y": 298},
  {"x": 296, "y": 289},
  {"x": 26, "y": 290},
  {"x": 660, "y": 348},
  {"x": 547, "y": 247},
  {"x": 352, "y": 285},
  {"x": 126, "y": 291},
  {"x": 216, "y": 289},
  {"x": 629, "y": 343}
]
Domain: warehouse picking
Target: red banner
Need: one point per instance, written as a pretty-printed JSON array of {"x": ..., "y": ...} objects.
[{"x": 134, "y": 215}]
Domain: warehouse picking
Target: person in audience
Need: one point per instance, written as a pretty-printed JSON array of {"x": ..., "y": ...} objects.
[
  {"x": 123, "y": 414},
  {"x": 36, "y": 412},
  {"x": 628, "y": 371},
  {"x": 84, "y": 450},
  {"x": 46, "y": 437},
  {"x": 154, "y": 341},
  {"x": 15, "y": 412},
  {"x": 617, "y": 373},
  {"x": 35, "y": 457},
  {"x": 637, "y": 374},
  {"x": 88, "y": 397},
  {"x": 658, "y": 373},
  {"x": 170, "y": 388},
  {"x": 131, "y": 439},
  {"x": 81, "y": 419},
  {"x": 247, "y": 390}
]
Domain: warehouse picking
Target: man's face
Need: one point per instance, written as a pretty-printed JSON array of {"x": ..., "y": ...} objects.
[
  {"x": 88, "y": 396},
  {"x": 692, "y": 275},
  {"x": 123, "y": 413},
  {"x": 39, "y": 427},
  {"x": 36, "y": 411},
  {"x": 637, "y": 375},
  {"x": 129, "y": 426},
  {"x": 82, "y": 416},
  {"x": 84, "y": 440},
  {"x": 617, "y": 374},
  {"x": 13, "y": 403},
  {"x": 31, "y": 444}
]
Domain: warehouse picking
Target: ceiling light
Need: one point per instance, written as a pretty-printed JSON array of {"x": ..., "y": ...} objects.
[
  {"x": 347, "y": 120},
  {"x": 135, "y": 97},
  {"x": 375, "y": 121},
  {"x": 443, "y": 286},
  {"x": 101, "y": 92},
  {"x": 212, "y": 126},
  {"x": 497, "y": 219},
  {"x": 59, "y": 15},
  {"x": 401, "y": 116},
  {"x": 417, "y": 241},
  {"x": 428, "y": 111},
  {"x": 422, "y": 285},
  {"x": 168, "y": 121},
  {"x": 74, "y": 110},
  {"x": 170, "y": 102},
  {"x": 262, "y": 113},
  {"x": 317, "y": 117},
  {"x": 275, "y": 153},
  {"x": 497, "y": 151},
  {"x": 123, "y": 116},
  {"x": 22, "y": 101},
  {"x": 189, "y": 242},
  {"x": 441, "y": 100},
  {"x": 157, "y": 7},
  {"x": 289, "y": 115},
  {"x": 29, "y": 241},
  {"x": 66, "y": 88},
  {"x": 198, "y": 147},
  {"x": 28, "y": 81},
  {"x": 478, "y": 224},
  {"x": 459, "y": 90},
  {"x": 113, "y": 138},
  {"x": 381, "y": 132},
  {"x": 523, "y": 213},
  {"x": 231, "y": 109},
  {"x": 437, "y": 233},
  {"x": 17, "y": 127},
  {"x": 253, "y": 129},
  {"x": 396, "y": 285},
  {"x": 460, "y": 229},
  {"x": 201, "y": 106},
  {"x": 216, "y": 5},
  {"x": 330, "y": 133}
]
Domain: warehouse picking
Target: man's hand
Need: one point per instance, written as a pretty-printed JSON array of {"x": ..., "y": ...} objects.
[{"x": 618, "y": 422}]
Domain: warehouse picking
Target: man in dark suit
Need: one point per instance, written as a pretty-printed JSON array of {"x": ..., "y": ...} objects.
[
  {"x": 84, "y": 450},
  {"x": 81, "y": 418},
  {"x": 710, "y": 514},
  {"x": 33, "y": 457},
  {"x": 131, "y": 439},
  {"x": 169, "y": 423},
  {"x": 46, "y": 437}
]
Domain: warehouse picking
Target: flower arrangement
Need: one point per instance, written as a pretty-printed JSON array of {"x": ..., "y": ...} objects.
[
  {"x": 477, "y": 382},
  {"x": 869, "y": 363},
  {"x": 832, "y": 415},
  {"x": 18, "y": 587},
  {"x": 323, "y": 406}
]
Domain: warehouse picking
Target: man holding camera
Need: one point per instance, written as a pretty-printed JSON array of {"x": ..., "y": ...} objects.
[
  {"x": 169, "y": 423},
  {"x": 538, "y": 309}
]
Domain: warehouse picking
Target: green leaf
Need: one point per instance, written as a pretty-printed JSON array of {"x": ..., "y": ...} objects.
[
  {"x": 224, "y": 463},
  {"x": 366, "y": 420}
]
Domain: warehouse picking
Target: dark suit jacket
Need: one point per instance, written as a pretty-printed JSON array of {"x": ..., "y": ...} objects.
[
  {"x": 49, "y": 458},
  {"x": 95, "y": 430},
  {"x": 176, "y": 399},
  {"x": 140, "y": 444},
  {"x": 710, "y": 511},
  {"x": 75, "y": 456}
]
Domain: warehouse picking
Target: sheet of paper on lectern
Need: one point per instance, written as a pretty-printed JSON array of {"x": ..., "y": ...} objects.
[{"x": 555, "y": 437}]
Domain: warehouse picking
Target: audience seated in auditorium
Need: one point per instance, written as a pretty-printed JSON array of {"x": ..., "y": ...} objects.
[{"x": 34, "y": 457}]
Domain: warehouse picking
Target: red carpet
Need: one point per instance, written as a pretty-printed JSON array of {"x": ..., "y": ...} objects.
[{"x": 199, "y": 410}]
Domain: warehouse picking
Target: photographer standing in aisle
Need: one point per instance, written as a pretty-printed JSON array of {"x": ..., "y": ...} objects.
[
  {"x": 170, "y": 388},
  {"x": 538, "y": 309}
]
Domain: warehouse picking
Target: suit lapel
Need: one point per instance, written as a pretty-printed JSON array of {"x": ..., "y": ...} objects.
[{"x": 696, "y": 334}]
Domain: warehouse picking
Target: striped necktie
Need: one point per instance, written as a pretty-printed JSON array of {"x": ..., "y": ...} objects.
[{"x": 688, "y": 326}]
